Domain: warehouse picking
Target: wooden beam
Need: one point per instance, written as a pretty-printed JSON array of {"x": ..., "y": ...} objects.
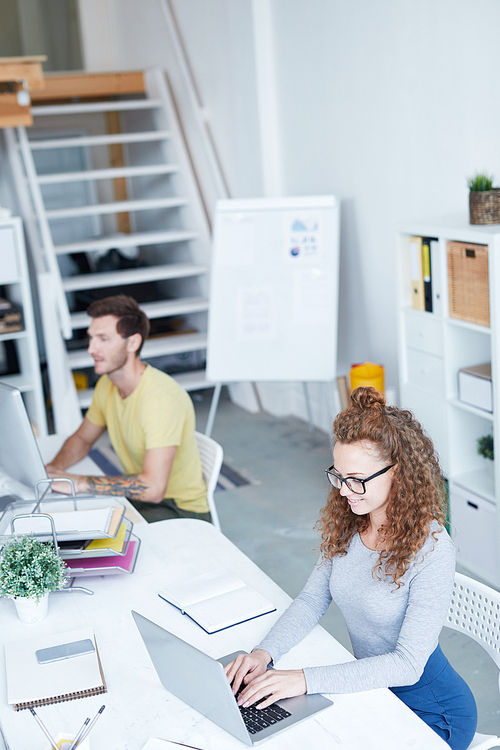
[
  {"x": 90, "y": 85},
  {"x": 27, "y": 69},
  {"x": 118, "y": 160},
  {"x": 12, "y": 113}
]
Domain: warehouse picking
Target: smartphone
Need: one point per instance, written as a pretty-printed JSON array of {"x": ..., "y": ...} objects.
[{"x": 64, "y": 651}]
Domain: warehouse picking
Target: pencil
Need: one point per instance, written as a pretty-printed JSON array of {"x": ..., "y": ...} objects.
[
  {"x": 79, "y": 734},
  {"x": 87, "y": 731},
  {"x": 44, "y": 729}
]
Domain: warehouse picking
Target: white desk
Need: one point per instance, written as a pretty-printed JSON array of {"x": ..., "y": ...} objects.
[{"x": 137, "y": 705}]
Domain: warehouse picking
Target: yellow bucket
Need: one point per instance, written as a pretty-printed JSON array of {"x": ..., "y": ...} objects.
[{"x": 367, "y": 374}]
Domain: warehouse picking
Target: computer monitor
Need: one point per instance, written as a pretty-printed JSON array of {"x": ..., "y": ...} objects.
[{"x": 20, "y": 457}]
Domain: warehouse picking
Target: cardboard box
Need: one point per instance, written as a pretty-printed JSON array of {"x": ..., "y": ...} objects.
[{"x": 474, "y": 386}]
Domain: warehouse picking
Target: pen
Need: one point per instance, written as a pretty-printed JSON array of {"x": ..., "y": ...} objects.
[
  {"x": 79, "y": 734},
  {"x": 90, "y": 726},
  {"x": 40, "y": 723}
]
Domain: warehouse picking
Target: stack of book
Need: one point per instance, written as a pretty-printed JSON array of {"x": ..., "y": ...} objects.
[
  {"x": 93, "y": 535},
  {"x": 424, "y": 272}
]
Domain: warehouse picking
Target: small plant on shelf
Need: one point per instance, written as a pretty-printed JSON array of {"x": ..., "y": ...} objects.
[
  {"x": 480, "y": 182},
  {"x": 485, "y": 446},
  {"x": 484, "y": 199},
  {"x": 30, "y": 569}
]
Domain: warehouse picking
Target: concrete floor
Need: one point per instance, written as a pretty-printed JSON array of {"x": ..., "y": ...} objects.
[{"x": 272, "y": 521}]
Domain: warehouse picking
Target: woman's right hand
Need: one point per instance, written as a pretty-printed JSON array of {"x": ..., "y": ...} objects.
[{"x": 246, "y": 667}]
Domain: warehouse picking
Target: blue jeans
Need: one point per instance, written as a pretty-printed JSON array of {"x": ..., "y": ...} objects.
[{"x": 443, "y": 700}]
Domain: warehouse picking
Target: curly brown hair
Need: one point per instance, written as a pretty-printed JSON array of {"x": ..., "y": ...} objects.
[{"x": 416, "y": 495}]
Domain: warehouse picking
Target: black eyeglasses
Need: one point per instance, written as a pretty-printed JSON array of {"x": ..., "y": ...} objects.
[{"x": 353, "y": 483}]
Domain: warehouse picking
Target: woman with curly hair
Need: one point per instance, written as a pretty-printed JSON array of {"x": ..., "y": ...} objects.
[{"x": 388, "y": 563}]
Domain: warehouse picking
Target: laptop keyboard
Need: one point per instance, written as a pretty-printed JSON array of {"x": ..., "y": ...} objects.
[{"x": 257, "y": 719}]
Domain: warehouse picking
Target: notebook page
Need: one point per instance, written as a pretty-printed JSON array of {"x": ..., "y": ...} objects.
[
  {"x": 229, "y": 609},
  {"x": 187, "y": 592},
  {"x": 27, "y": 680}
]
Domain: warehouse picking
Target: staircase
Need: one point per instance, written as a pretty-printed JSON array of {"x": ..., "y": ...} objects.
[{"x": 111, "y": 205}]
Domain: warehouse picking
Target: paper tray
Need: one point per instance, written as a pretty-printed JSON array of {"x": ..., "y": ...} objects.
[
  {"x": 106, "y": 566},
  {"x": 105, "y": 551},
  {"x": 90, "y": 524}
]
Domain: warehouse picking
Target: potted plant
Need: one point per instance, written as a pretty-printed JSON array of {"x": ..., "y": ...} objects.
[
  {"x": 484, "y": 199},
  {"x": 485, "y": 449},
  {"x": 29, "y": 571}
]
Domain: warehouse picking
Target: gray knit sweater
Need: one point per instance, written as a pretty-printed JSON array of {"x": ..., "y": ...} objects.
[{"x": 393, "y": 631}]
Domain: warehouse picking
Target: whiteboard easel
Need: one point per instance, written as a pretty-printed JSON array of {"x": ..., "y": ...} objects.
[{"x": 274, "y": 290}]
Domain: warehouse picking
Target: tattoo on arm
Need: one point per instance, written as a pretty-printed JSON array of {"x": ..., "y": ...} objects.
[{"x": 128, "y": 485}]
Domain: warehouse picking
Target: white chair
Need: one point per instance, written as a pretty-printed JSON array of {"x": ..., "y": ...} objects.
[
  {"x": 211, "y": 455},
  {"x": 475, "y": 611}
]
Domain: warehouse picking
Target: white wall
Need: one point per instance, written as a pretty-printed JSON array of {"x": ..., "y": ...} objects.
[{"x": 388, "y": 105}]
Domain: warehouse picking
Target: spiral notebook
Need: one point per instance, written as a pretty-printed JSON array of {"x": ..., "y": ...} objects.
[{"x": 30, "y": 684}]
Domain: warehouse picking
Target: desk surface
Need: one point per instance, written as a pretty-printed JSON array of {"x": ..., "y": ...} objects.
[{"x": 137, "y": 705}]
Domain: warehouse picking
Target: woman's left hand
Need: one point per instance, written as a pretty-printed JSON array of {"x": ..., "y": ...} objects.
[{"x": 275, "y": 683}]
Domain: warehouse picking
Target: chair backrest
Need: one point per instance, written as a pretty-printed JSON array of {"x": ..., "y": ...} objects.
[
  {"x": 211, "y": 455},
  {"x": 475, "y": 611}
]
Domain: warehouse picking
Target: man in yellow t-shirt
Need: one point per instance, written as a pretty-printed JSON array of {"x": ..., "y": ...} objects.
[{"x": 149, "y": 417}]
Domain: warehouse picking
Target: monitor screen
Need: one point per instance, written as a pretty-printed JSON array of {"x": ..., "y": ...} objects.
[{"x": 19, "y": 454}]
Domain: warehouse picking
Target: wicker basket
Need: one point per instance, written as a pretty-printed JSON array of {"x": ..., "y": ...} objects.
[
  {"x": 484, "y": 206},
  {"x": 468, "y": 282}
]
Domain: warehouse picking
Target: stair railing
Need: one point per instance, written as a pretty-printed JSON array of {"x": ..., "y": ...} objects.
[{"x": 44, "y": 249}]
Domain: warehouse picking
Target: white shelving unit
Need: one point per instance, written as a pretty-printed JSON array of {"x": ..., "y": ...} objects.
[
  {"x": 433, "y": 347},
  {"x": 15, "y": 280}
]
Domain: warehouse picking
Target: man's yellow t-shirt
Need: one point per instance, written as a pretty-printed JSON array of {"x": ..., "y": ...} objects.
[{"x": 157, "y": 414}]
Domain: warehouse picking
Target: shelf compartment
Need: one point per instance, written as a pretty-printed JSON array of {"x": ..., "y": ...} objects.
[
  {"x": 467, "y": 426},
  {"x": 466, "y": 347}
]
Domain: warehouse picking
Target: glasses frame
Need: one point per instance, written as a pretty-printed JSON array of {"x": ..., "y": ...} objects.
[{"x": 330, "y": 473}]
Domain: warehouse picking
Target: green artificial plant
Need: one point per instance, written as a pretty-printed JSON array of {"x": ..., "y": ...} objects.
[
  {"x": 480, "y": 182},
  {"x": 30, "y": 568},
  {"x": 485, "y": 446}
]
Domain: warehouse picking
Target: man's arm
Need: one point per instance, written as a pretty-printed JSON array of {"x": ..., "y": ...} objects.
[
  {"x": 75, "y": 447},
  {"x": 149, "y": 485}
]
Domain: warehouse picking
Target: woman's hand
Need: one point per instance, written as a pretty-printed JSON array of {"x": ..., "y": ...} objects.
[
  {"x": 246, "y": 667},
  {"x": 273, "y": 685}
]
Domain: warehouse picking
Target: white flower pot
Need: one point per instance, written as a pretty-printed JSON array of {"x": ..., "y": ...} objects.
[{"x": 29, "y": 610}]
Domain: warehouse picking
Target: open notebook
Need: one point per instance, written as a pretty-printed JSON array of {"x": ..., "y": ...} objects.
[
  {"x": 30, "y": 684},
  {"x": 217, "y": 600}
]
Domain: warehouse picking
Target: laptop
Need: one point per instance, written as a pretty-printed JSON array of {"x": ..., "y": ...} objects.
[{"x": 200, "y": 681}]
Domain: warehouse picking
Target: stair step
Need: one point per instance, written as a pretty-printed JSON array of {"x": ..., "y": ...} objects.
[
  {"x": 100, "y": 140},
  {"x": 156, "y": 347},
  {"x": 195, "y": 380},
  {"x": 133, "y": 276},
  {"x": 127, "y": 240},
  {"x": 160, "y": 309},
  {"x": 107, "y": 174},
  {"x": 81, "y": 108},
  {"x": 116, "y": 207}
]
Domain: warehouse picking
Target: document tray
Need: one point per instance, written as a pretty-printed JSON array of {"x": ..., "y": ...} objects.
[{"x": 97, "y": 517}]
